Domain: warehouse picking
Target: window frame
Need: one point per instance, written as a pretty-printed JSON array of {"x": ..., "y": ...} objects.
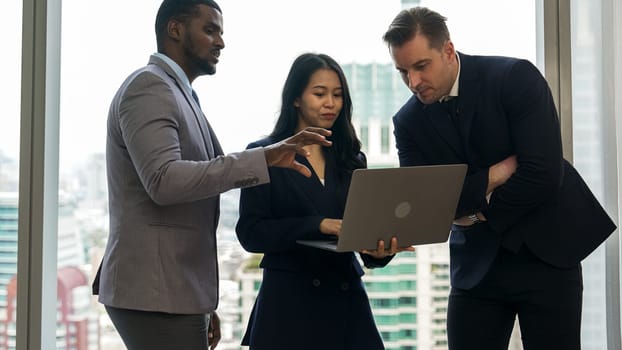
[
  {"x": 38, "y": 185},
  {"x": 38, "y": 175},
  {"x": 556, "y": 33}
]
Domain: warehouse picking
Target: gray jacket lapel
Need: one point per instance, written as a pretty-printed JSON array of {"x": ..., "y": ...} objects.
[{"x": 206, "y": 130}]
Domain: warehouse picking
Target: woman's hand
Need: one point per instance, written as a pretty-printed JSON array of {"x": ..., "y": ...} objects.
[{"x": 381, "y": 252}]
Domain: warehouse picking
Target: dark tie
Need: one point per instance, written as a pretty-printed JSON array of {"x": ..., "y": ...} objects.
[
  {"x": 451, "y": 106},
  {"x": 196, "y": 98},
  {"x": 213, "y": 149},
  {"x": 452, "y": 124}
]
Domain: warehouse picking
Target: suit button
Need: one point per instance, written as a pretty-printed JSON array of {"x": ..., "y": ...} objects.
[
  {"x": 345, "y": 286},
  {"x": 316, "y": 282}
]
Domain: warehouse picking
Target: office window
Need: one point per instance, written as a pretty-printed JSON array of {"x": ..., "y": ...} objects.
[
  {"x": 408, "y": 301},
  {"x": 385, "y": 303},
  {"x": 384, "y": 139},
  {"x": 596, "y": 86},
  {"x": 10, "y": 92},
  {"x": 407, "y": 269},
  {"x": 364, "y": 137},
  {"x": 247, "y": 94},
  {"x": 93, "y": 66}
]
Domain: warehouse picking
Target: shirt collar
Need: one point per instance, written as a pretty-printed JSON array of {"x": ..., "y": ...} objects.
[
  {"x": 177, "y": 69},
  {"x": 454, "y": 89}
]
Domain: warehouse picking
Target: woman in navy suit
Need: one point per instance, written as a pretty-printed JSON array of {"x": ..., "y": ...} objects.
[{"x": 309, "y": 298}]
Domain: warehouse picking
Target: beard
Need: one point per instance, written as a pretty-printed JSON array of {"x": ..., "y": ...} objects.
[
  {"x": 206, "y": 67},
  {"x": 203, "y": 66}
]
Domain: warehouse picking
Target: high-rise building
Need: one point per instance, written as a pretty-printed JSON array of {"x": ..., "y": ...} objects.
[
  {"x": 9, "y": 173},
  {"x": 232, "y": 305},
  {"x": 249, "y": 279},
  {"x": 76, "y": 328},
  {"x": 8, "y": 244},
  {"x": 377, "y": 93},
  {"x": 73, "y": 331},
  {"x": 394, "y": 297}
]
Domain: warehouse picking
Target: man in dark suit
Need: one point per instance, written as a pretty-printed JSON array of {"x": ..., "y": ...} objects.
[
  {"x": 525, "y": 219},
  {"x": 159, "y": 275}
]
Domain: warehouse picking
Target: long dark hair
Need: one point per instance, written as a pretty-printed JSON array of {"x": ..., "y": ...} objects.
[{"x": 346, "y": 146}]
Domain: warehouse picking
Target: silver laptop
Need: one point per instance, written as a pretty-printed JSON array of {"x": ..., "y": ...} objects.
[{"x": 415, "y": 204}]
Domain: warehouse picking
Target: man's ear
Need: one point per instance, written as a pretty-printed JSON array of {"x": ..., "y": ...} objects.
[
  {"x": 175, "y": 30},
  {"x": 449, "y": 49}
]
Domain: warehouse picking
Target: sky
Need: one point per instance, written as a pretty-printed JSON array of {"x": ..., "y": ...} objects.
[{"x": 104, "y": 41}]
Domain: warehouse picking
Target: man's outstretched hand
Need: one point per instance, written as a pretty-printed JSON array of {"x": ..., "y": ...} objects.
[{"x": 282, "y": 154}]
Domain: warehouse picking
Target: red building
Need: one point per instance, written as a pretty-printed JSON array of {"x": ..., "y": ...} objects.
[{"x": 72, "y": 315}]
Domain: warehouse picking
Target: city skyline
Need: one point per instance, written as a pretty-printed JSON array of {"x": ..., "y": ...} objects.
[{"x": 253, "y": 65}]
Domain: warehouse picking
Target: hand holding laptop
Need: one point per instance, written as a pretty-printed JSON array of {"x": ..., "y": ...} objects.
[
  {"x": 382, "y": 252},
  {"x": 416, "y": 204},
  {"x": 333, "y": 227}
]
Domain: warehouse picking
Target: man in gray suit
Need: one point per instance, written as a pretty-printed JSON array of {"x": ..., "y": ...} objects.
[{"x": 159, "y": 275}]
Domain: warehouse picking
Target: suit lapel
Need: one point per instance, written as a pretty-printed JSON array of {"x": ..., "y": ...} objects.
[
  {"x": 322, "y": 198},
  {"x": 205, "y": 128},
  {"x": 439, "y": 117},
  {"x": 469, "y": 91},
  {"x": 217, "y": 150},
  {"x": 458, "y": 136}
]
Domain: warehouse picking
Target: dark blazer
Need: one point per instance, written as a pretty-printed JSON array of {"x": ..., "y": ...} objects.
[
  {"x": 309, "y": 298},
  {"x": 505, "y": 108}
]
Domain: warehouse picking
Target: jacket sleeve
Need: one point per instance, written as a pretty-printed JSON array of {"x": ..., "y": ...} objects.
[
  {"x": 536, "y": 139},
  {"x": 259, "y": 230},
  {"x": 371, "y": 262},
  {"x": 473, "y": 195},
  {"x": 148, "y": 121}
]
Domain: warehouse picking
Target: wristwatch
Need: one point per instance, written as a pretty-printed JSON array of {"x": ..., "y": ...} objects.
[{"x": 474, "y": 218}]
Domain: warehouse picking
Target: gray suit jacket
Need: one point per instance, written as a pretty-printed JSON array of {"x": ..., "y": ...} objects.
[{"x": 165, "y": 173}]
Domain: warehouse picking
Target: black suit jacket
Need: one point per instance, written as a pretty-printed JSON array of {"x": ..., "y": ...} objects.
[
  {"x": 301, "y": 282},
  {"x": 505, "y": 108}
]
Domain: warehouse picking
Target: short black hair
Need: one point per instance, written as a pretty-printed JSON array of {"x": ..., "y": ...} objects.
[{"x": 180, "y": 10}]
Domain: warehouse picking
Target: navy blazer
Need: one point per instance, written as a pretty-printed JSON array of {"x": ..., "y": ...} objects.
[
  {"x": 299, "y": 301},
  {"x": 505, "y": 108},
  {"x": 274, "y": 216}
]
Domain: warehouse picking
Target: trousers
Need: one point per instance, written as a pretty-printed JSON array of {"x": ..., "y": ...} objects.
[
  {"x": 141, "y": 330},
  {"x": 547, "y": 301}
]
